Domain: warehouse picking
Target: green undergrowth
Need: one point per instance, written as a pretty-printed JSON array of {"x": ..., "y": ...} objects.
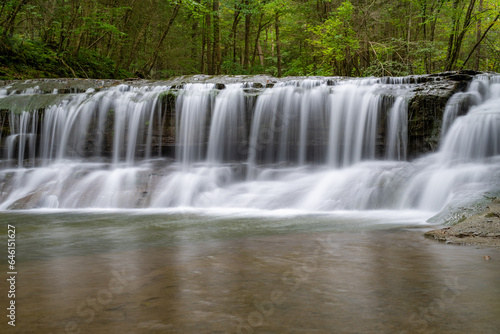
[{"x": 26, "y": 59}]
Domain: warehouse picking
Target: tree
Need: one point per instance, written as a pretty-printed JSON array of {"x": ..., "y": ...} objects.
[
  {"x": 335, "y": 39},
  {"x": 162, "y": 38},
  {"x": 146, "y": 69}
]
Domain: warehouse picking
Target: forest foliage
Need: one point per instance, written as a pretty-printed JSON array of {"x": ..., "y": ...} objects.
[{"x": 164, "y": 38}]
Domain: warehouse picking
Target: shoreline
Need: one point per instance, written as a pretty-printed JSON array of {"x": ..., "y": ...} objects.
[{"x": 481, "y": 230}]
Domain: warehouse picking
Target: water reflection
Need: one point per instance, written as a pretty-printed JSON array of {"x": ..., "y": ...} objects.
[{"x": 380, "y": 281}]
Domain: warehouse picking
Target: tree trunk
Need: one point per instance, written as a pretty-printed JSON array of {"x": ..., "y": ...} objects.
[
  {"x": 433, "y": 32},
  {"x": 478, "y": 38},
  {"x": 121, "y": 46},
  {"x": 65, "y": 38},
  {"x": 203, "y": 43},
  {"x": 261, "y": 54},
  {"x": 451, "y": 40},
  {"x": 8, "y": 31},
  {"x": 454, "y": 53},
  {"x": 148, "y": 66},
  {"x": 78, "y": 43},
  {"x": 246, "y": 52},
  {"x": 194, "y": 33},
  {"x": 135, "y": 45},
  {"x": 208, "y": 34},
  {"x": 278, "y": 43},
  {"x": 216, "y": 56},
  {"x": 234, "y": 28},
  {"x": 257, "y": 39},
  {"x": 424, "y": 27}
]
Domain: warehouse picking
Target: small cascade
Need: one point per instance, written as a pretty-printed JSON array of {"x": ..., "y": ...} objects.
[
  {"x": 289, "y": 124},
  {"x": 134, "y": 116},
  {"x": 193, "y": 107},
  {"x": 457, "y": 106},
  {"x": 460, "y": 103},
  {"x": 312, "y": 122},
  {"x": 355, "y": 110},
  {"x": 64, "y": 129},
  {"x": 80, "y": 124},
  {"x": 23, "y": 129},
  {"x": 475, "y": 136},
  {"x": 64, "y": 143},
  {"x": 466, "y": 165},
  {"x": 228, "y": 127},
  {"x": 397, "y": 138}
]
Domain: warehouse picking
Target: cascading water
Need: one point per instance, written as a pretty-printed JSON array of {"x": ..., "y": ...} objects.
[
  {"x": 73, "y": 134},
  {"x": 310, "y": 145},
  {"x": 24, "y": 129},
  {"x": 193, "y": 105},
  {"x": 355, "y": 110},
  {"x": 228, "y": 126},
  {"x": 466, "y": 165},
  {"x": 398, "y": 131}
]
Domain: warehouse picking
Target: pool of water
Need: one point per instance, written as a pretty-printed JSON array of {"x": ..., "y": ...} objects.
[{"x": 188, "y": 271}]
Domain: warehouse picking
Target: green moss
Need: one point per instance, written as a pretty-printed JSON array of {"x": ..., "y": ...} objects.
[{"x": 20, "y": 103}]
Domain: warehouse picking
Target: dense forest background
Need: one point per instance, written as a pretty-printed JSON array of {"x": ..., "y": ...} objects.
[{"x": 164, "y": 38}]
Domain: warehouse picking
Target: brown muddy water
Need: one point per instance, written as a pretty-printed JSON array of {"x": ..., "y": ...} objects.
[{"x": 129, "y": 272}]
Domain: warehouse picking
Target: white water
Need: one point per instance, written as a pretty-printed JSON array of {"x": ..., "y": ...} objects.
[
  {"x": 302, "y": 146},
  {"x": 228, "y": 126},
  {"x": 193, "y": 105}
]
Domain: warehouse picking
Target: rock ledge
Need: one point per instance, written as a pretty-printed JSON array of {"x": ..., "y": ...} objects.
[{"x": 482, "y": 229}]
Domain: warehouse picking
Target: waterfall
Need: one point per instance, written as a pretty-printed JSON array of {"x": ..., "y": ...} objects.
[
  {"x": 77, "y": 126},
  {"x": 23, "y": 129},
  {"x": 475, "y": 135},
  {"x": 460, "y": 103},
  {"x": 397, "y": 139},
  {"x": 466, "y": 164},
  {"x": 228, "y": 126},
  {"x": 355, "y": 110},
  {"x": 193, "y": 108},
  {"x": 312, "y": 145},
  {"x": 310, "y": 122},
  {"x": 288, "y": 120}
]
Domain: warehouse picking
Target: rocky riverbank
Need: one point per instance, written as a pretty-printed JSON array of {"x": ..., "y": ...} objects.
[{"x": 482, "y": 229}]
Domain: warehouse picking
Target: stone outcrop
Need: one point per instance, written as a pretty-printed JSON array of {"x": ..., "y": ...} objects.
[
  {"x": 426, "y": 108},
  {"x": 482, "y": 229}
]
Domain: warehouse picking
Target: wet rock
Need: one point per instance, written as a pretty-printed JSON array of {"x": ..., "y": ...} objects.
[
  {"x": 426, "y": 108},
  {"x": 460, "y": 77},
  {"x": 482, "y": 229}
]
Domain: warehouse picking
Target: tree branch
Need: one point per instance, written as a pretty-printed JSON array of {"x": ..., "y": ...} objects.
[{"x": 480, "y": 40}]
